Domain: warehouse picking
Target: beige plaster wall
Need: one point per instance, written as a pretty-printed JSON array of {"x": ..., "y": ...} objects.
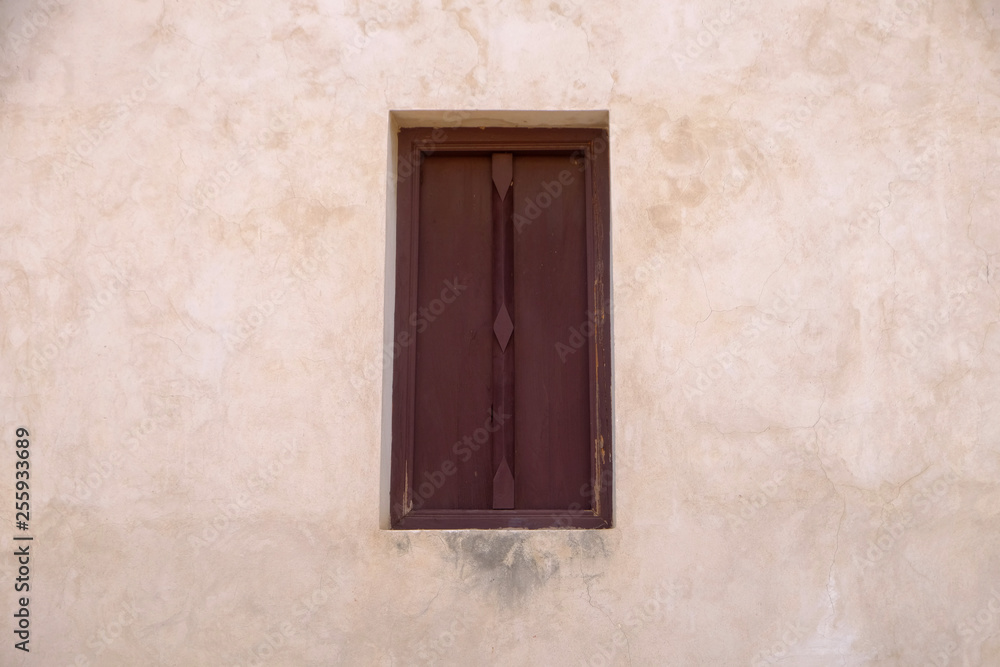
[{"x": 805, "y": 202}]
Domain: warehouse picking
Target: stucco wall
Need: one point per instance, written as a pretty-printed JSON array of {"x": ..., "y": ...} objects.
[{"x": 805, "y": 245}]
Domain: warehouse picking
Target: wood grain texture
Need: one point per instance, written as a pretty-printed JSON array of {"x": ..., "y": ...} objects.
[{"x": 496, "y": 423}]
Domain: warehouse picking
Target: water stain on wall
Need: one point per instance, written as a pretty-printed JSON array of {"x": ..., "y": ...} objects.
[
  {"x": 402, "y": 545},
  {"x": 502, "y": 562},
  {"x": 514, "y": 566}
]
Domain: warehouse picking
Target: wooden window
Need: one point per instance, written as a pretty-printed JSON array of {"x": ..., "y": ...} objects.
[{"x": 501, "y": 408}]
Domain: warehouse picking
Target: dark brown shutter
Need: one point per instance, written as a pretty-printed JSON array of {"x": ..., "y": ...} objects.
[
  {"x": 501, "y": 414},
  {"x": 551, "y": 409},
  {"x": 453, "y": 388}
]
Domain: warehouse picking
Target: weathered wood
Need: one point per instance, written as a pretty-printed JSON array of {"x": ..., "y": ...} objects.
[
  {"x": 552, "y": 402},
  {"x": 493, "y": 423},
  {"x": 503, "y": 352}
]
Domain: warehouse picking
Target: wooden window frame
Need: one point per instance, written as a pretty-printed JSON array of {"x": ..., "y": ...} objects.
[{"x": 414, "y": 145}]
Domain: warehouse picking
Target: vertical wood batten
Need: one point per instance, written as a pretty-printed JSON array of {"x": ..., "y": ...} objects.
[{"x": 502, "y": 411}]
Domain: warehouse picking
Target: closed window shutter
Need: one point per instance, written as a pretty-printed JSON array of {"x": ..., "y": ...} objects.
[
  {"x": 498, "y": 271},
  {"x": 453, "y": 389}
]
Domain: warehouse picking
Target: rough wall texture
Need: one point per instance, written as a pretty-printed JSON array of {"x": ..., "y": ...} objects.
[{"x": 806, "y": 238}]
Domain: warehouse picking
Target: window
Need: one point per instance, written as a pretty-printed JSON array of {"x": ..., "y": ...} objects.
[{"x": 501, "y": 406}]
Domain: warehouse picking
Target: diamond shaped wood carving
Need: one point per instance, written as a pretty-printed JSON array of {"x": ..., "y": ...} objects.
[{"x": 503, "y": 327}]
